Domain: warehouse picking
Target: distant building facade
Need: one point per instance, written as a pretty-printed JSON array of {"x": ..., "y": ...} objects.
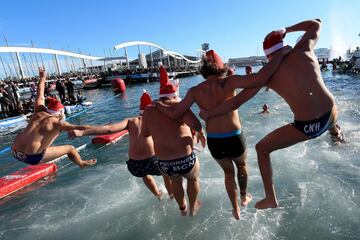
[{"x": 242, "y": 62}]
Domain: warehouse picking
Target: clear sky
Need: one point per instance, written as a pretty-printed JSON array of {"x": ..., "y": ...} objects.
[{"x": 233, "y": 28}]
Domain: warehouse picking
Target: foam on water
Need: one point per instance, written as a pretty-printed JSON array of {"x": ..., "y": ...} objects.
[{"x": 317, "y": 183}]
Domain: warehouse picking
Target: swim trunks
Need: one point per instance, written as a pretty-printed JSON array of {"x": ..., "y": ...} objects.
[
  {"x": 31, "y": 159},
  {"x": 178, "y": 166},
  {"x": 141, "y": 168},
  {"x": 316, "y": 127},
  {"x": 226, "y": 145}
]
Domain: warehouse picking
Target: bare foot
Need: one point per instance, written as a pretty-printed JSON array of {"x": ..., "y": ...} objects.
[
  {"x": 87, "y": 163},
  {"x": 236, "y": 213},
  {"x": 183, "y": 210},
  {"x": 266, "y": 203},
  {"x": 197, "y": 206},
  {"x": 160, "y": 195},
  {"x": 246, "y": 199}
]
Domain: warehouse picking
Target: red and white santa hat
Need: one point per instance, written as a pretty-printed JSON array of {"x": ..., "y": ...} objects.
[
  {"x": 167, "y": 90},
  {"x": 145, "y": 101},
  {"x": 54, "y": 106},
  {"x": 212, "y": 57},
  {"x": 274, "y": 41}
]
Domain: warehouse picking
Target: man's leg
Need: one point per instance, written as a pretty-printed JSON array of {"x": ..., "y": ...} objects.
[
  {"x": 179, "y": 194},
  {"x": 280, "y": 138},
  {"x": 168, "y": 186},
  {"x": 230, "y": 185},
  {"x": 52, "y": 153},
  {"x": 243, "y": 178},
  {"x": 193, "y": 188},
  {"x": 151, "y": 185}
]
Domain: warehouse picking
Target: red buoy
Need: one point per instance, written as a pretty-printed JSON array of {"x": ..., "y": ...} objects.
[{"x": 118, "y": 85}]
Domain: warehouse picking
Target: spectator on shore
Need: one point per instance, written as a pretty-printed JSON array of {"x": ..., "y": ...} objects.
[
  {"x": 60, "y": 87},
  {"x": 70, "y": 89}
]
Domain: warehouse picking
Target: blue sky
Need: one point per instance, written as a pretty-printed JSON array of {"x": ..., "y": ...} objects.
[{"x": 233, "y": 28}]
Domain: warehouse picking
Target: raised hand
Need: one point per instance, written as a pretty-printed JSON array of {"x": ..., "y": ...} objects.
[{"x": 42, "y": 73}]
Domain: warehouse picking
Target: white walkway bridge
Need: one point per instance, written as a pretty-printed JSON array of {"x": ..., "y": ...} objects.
[{"x": 56, "y": 53}]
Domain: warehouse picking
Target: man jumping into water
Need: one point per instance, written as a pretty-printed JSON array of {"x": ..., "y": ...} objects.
[
  {"x": 298, "y": 80},
  {"x": 225, "y": 137},
  {"x": 32, "y": 145},
  {"x": 173, "y": 143},
  {"x": 142, "y": 161}
]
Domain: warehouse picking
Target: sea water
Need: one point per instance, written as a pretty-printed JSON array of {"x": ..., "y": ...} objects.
[{"x": 317, "y": 182}]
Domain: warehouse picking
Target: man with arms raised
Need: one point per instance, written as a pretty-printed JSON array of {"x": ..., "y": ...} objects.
[
  {"x": 226, "y": 140},
  {"x": 32, "y": 145},
  {"x": 173, "y": 144},
  {"x": 298, "y": 80},
  {"x": 142, "y": 161}
]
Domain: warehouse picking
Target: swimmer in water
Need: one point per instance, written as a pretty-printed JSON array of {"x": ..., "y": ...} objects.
[
  {"x": 32, "y": 145},
  {"x": 265, "y": 109}
]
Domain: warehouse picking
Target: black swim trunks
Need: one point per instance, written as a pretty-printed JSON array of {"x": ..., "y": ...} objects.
[
  {"x": 141, "y": 168},
  {"x": 226, "y": 145},
  {"x": 316, "y": 127},
  {"x": 178, "y": 166},
  {"x": 31, "y": 159}
]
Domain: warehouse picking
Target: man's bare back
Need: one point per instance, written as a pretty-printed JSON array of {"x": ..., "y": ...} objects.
[
  {"x": 172, "y": 139},
  {"x": 299, "y": 77},
  {"x": 140, "y": 147},
  {"x": 211, "y": 93}
]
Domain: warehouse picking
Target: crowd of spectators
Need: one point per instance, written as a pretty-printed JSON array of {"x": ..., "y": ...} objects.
[{"x": 17, "y": 95}]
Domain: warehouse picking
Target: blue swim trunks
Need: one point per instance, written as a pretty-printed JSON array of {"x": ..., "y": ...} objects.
[{"x": 226, "y": 145}]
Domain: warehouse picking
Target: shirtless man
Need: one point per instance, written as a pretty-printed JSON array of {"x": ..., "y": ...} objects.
[
  {"x": 173, "y": 144},
  {"x": 32, "y": 145},
  {"x": 142, "y": 161},
  {"x": 298, "y": 80},
  {"x": 226, "y": 141}
]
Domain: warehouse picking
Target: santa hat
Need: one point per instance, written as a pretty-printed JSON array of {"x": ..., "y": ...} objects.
[
  {"x": 167, "y": 90},
  {"x": 274, "y": 41},
  {"x": 54, "y": 106},
  {"x": 212, "y": 57},
  {"x": 145, "y": 101}
]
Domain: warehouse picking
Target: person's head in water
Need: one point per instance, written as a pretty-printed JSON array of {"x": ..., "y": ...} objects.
[
  {"x": 273, "y": 42},
  {"x": 248, "y": 70},
  {"x": 265, "y": 109},
  {"x": 213, "y": 65}
]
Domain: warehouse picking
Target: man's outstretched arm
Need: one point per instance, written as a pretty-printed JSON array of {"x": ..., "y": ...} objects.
[
  {"x": 259, "y": 79},
  {"x": 176, "y": 111},
  {"x": 79, "y": 131},
  {"x": 231, "y": 104}
]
